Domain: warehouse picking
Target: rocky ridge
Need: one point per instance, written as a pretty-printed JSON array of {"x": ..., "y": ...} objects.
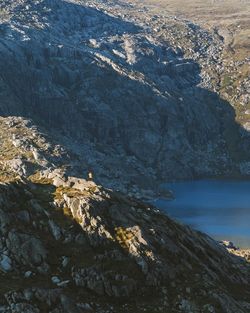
[{"x": 70, "y": 245}]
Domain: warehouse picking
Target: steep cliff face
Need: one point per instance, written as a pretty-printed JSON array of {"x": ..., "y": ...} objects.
[{"x": 124, "y": 100}]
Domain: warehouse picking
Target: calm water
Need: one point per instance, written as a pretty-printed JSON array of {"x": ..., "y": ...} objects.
[{"x": 216, "y": 207}]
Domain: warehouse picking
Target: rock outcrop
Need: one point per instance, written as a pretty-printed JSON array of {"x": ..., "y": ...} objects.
[
  {"x": 71, "y": 245},
  {"x": 66, "y": 249}
]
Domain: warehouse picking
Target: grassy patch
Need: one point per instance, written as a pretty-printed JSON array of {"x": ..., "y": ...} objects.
[
  {"x": 226, "y": 81},
  {"x": 37, "y": 179},
  {"x": 123, "y": 236},
  {"x": 70, "y": 192}
]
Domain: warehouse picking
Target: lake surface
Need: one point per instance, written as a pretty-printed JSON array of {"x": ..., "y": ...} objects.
[{"x": 220, "y": 208}]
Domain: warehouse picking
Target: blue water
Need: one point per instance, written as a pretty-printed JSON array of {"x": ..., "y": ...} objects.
[{"x": 220, "y": 208}]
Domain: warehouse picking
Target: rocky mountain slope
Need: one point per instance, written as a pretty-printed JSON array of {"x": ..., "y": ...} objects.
[
  {"x": 108, "y": 82},
  {"x": 230, "y": 19},
  {"x": 105, "y": 90},
  {"x": 69, "y": 245}
]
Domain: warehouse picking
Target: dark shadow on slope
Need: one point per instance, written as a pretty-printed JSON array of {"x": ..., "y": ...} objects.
[
  {"x": 55, "y": 77},
  {"x": 182, "y": 254}
]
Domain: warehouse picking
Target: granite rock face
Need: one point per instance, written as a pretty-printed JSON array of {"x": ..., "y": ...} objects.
[
  {"x": 123, "y": 99},
  {"x": 70, "y": 245},
  {"x": 89, "y": 249}
]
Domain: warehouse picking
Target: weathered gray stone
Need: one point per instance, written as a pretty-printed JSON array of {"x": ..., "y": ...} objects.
[{"x": 26, "y": 249}]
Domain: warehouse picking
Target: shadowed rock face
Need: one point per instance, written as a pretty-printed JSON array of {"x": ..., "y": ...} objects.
[
  {"x": 128, "y": 104},
  {"x": 69, "y": 249}
]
